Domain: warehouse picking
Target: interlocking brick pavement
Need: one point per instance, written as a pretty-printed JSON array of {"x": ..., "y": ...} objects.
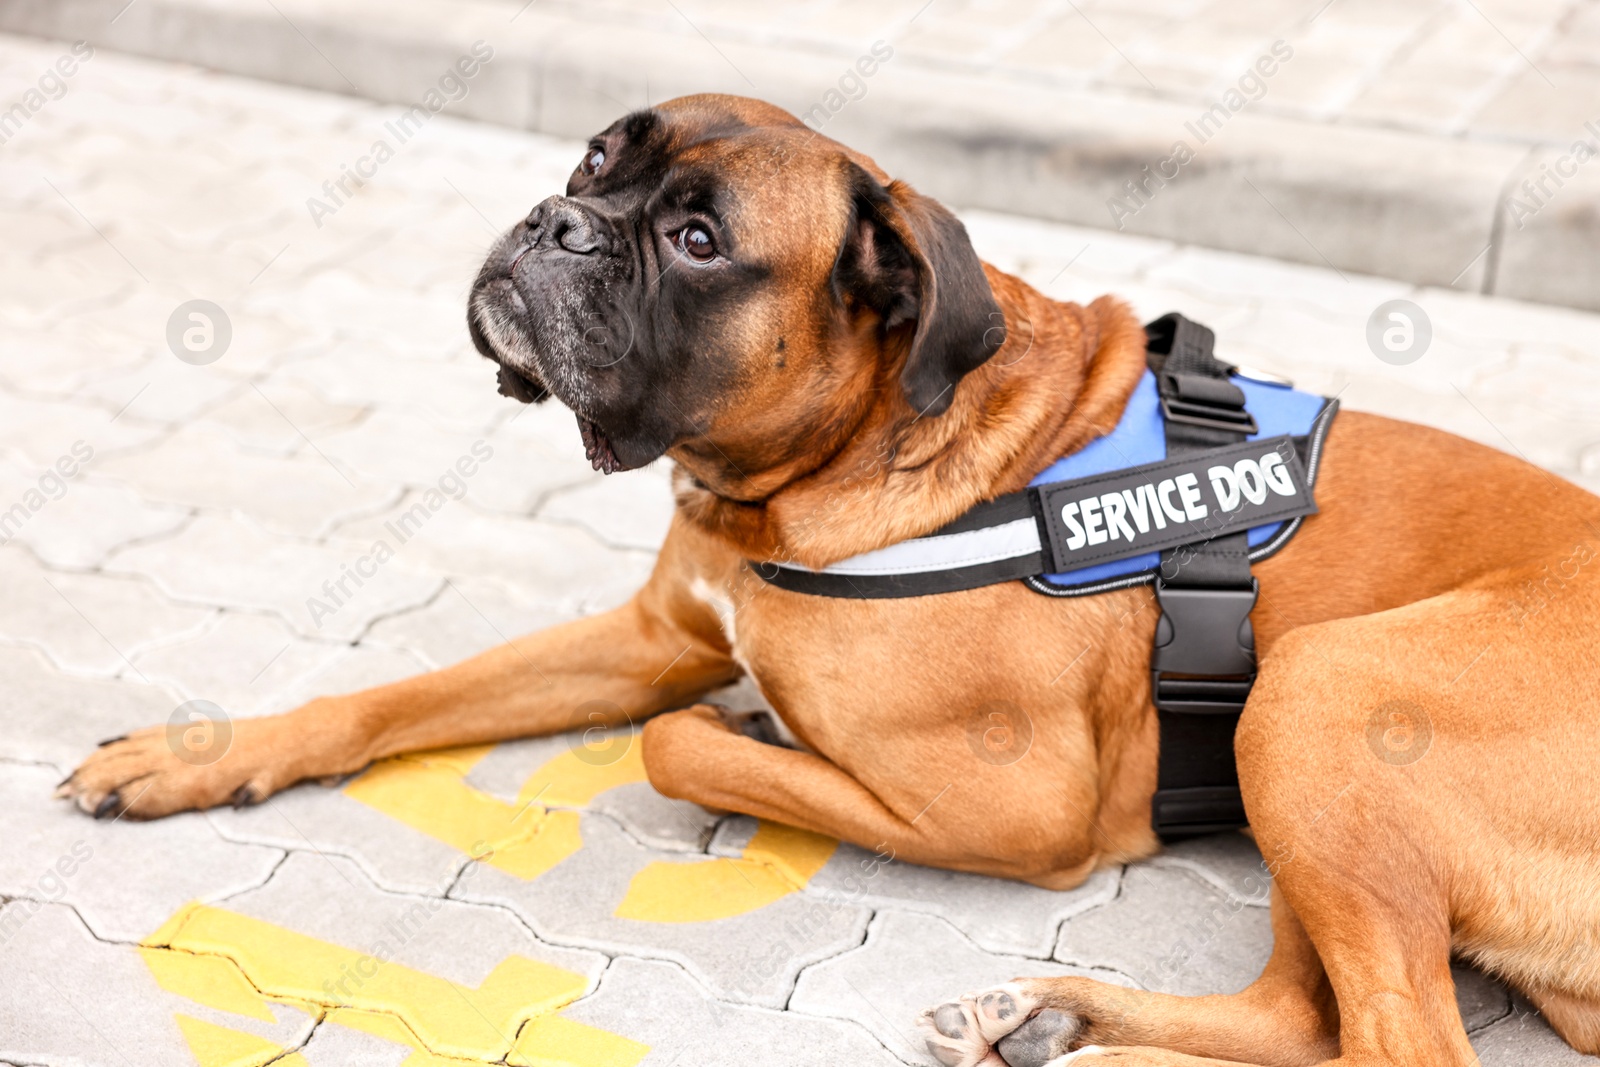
[
  {"x": 1443, "y": 142},
  {"x": 1437, "y": 67},
  {"x": 508, "y": 903}
]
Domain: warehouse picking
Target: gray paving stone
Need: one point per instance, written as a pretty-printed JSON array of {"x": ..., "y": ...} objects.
[
  {"x": 627, "y": 513},
  {"x": 52, "y": 718},
  {"x": 45, "y": 430},
  {"x": 660, "y": 1006},
  {"x": 87, "y": 623},
  {"x": 261, "y": 342},
  {"x": 247, "y": 664},
  {"x": 48, "y": 288},
  {"x": 354, "y": 668},
  {"x": 399, "y": 448},
  {"x": 453, "y": 395},
  {"x": 278, "y": 418},
  {"x": 74, "y": 523},
  {"x": 1484, "y": 1001},
  {"x": 908, "y": 963},
  {"x": 1549, "y": 440},
  {"x": 655, "y": 820},
  {"x": 1014, "y": 243},
  {"x": 301, "y": 495},
  {"x": 1172, "y": 932},
  {"x": 568, "y": 565},
  {"x": 326, "y": 820},
  {"x": 1230, "y": 276},
  {"x": 424, "y": 327},
  {"x": 1554, "y": 378},
  {"x": 749, "y": 958},
  {"x": 163, "y": 389},
  {"x": 79, "y": 350},
  {"x": 999, "y": 915},
  {"x": 1524, "y": 1039},
  {"x": 1512, "y": 321},
  {"x": 230, "y": 563},
  {"x": 468, "y": 617},
  {"x": 103, "y": 869},
  {"x": 72, "y": 1000},
  {"x": 340, "y": 1046},
  {"x": 1230, "y": 862}
]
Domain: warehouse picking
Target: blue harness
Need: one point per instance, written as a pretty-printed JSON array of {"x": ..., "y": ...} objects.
[
  {"x": 1208, "y": 471},
  {"x": 1140, "y": 438}
]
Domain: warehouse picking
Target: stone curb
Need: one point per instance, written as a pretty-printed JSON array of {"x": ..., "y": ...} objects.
[{"x": 1428, "y": 210}]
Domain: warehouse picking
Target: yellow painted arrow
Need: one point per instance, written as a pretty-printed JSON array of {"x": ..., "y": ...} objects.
[
  {"x": 427, "y": 792},
  {"x": 779, "y": 860},
  {"x": 236, "y": 963}
]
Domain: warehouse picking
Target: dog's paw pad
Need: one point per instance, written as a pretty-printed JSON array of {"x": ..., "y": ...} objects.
[
  {"x": 999, "y": 1011},
  {"x": 952, "y": 1034},
  {"x": 960, "y": 1033},
  {"x": 1040, "y": 1040}
]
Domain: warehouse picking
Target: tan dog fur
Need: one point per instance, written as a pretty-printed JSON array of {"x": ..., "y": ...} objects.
[{"x": 1438, "y": 572}]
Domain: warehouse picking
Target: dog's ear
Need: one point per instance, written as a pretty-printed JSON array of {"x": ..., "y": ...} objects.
[{"x": 909, "y": 259}]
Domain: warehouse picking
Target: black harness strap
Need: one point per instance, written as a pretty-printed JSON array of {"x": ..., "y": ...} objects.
[
  {"x": 1203, "y": 663},
  {"x": 1203, "y": 660}
]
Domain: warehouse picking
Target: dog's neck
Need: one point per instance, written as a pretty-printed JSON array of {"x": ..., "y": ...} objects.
[{"x": 1062, "y": 378}]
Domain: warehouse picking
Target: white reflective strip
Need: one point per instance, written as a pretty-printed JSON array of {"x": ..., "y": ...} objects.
[{"x": 1006, "y": 541}]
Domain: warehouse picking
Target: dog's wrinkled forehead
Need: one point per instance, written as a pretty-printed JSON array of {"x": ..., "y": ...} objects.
[{"x": 752, "y": 166}]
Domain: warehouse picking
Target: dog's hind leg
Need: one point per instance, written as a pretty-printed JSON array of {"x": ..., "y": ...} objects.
[
  {"x": 696, "y": 754},
  {"x": 1287, "y": 1016},
  {"x": 1385, "y": 1000},
  {"x": 1577, "y": 1020}
]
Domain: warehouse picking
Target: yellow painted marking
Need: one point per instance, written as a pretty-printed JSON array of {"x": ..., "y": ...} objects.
[
  {"x": 568, "y": 781},
  {"x": 778, "y": 861},
  {"x": 461, "y": 760},
  {"x": 556, "y": 1042},
  {"x": 522, "y": 840},
  {"x": 426, "y": 791},
  {"x": 439, "y": 1018},
  {"x": 218, "y": 1046},
  {"x": 389, "y": 1028},
  {"x": 209, "y": 980}
]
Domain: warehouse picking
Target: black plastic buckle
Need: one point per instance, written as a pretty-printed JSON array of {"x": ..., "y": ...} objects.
[
  {"x": 1201, "y": 400},
  {"x": 1204, "y": 658},
  {"x": 1209, "y": 416},
  {"x": 1179, "y": 813}
]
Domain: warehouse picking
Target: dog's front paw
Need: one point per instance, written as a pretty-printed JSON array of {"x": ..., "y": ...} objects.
[{"x": 999, "y": 1027}]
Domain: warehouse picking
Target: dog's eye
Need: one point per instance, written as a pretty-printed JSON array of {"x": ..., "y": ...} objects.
[
  {"x": 696, "y": 243},
  {"x": 593, "y": 161}
]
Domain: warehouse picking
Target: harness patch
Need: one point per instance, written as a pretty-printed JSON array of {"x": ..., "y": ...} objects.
[{"x": 1182, "y": 501}]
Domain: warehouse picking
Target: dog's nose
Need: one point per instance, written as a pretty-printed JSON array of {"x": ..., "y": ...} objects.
[{"x": 561, "y": 222}]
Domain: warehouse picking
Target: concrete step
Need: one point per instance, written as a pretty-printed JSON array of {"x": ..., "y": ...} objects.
[{"x": 1423, "y": 207}]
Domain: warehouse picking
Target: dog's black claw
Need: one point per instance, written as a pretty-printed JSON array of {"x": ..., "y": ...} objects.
[
  {"x": 108, "y": 805},
  {"x": 244, "y": 797},
  {"x": 112, "y": 740}
]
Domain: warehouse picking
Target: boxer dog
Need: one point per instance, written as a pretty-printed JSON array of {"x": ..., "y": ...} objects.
[{"x": 832, "y": 369}]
